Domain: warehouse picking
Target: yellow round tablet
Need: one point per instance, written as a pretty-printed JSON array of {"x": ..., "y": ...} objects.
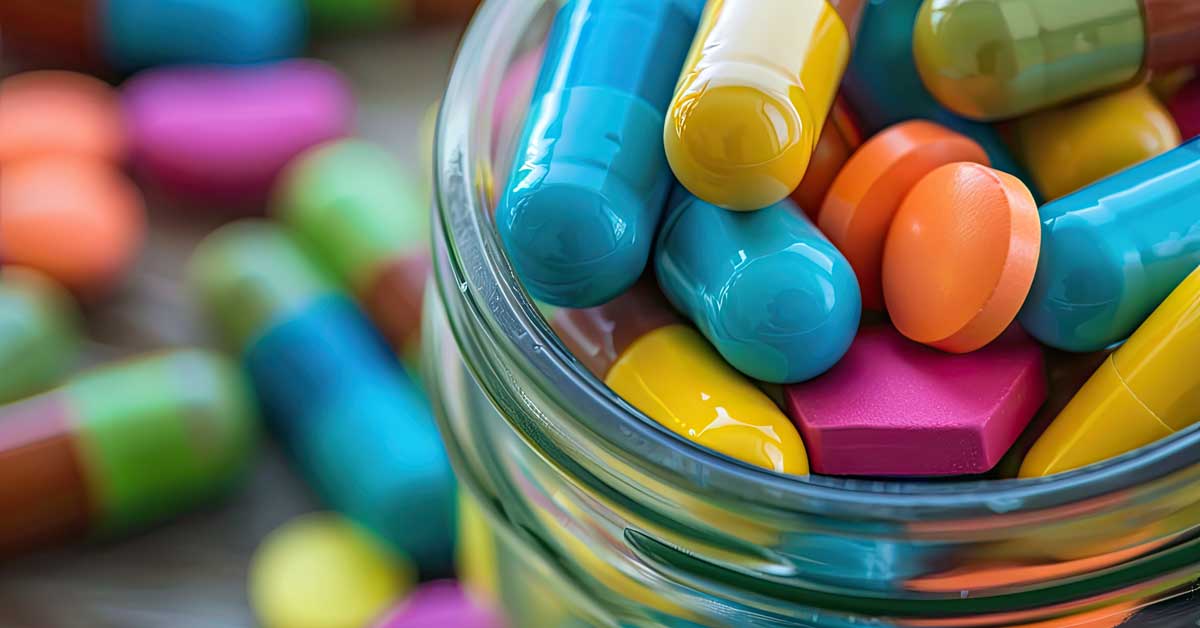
[{"x": 324, "y": 571}]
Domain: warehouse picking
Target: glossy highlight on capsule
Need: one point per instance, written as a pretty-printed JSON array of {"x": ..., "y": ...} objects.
[
  {"x": 753, "y": 98},
  {"x": 772, "y": 294},
  {"x": 639, "y": 347},
  {"x": 586, "y": 193},
  {"x": 1112, "y": 251}
]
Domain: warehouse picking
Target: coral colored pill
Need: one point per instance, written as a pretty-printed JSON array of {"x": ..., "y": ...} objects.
[
  {"x": 960, "y": 256},
  {"x": 1185, "y": 108},
  {"x": 860, "y": 205},
  {"x": 51, "y": 112},
  {"x": 81, "y": 221}
]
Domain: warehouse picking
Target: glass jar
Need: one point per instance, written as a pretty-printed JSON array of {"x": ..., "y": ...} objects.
[{"x": 604, "y": 518}]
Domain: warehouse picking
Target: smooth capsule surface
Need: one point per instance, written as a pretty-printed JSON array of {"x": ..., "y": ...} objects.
[
  {"x": 39, "y": 332},
  {"x": 358, "y": 427},
  {"x": 51, "y": 112},
  {"x": 1068, "y": 147},
  {"x": 578, "y": 215},
  {"x": 776, "y": 298},
  {"x": 884, "y": 88},
  {"x": 351, "y": 203},
  {"x": 1112, "y": 251},
  {"x": 753, "y": 98},
  {"x": 1146, "y": 390},
  {"x": 83, "y": 460},
  {"x": 641, "y": 349},
  {"x": 997, "y": 59}
]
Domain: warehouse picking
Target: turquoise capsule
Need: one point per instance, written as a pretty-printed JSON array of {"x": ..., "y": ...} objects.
[
  {"x": 766, "y": 288},
  {"x": 580, "y": 209},
  {"x": 1112, "y": 251}
]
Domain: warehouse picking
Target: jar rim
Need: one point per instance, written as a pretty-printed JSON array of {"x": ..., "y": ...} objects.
[{"x": 479, "y": 274}]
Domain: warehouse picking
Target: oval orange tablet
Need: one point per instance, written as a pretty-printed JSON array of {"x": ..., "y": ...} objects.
[
  {"x": 960, "y": 256},
  {"x": 869, "y": 189},
  {"x": 53, "y": 112},
  {"x": 837, "y": 141},
  {"x": 78, "y": 220}
]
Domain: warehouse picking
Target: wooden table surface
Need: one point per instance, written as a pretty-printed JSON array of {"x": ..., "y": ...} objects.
[{"x": 192, "y": 571}]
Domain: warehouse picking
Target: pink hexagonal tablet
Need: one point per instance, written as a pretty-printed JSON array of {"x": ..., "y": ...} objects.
[{"x": 893, "y": 407}]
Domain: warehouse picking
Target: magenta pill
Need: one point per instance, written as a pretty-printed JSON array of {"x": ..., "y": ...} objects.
[
  {"x": 893, "y": 407},
  {"x": 439, "y": 604},
  {"x": 220, "y": 135},
  {"x": 1185, "y": 108}
]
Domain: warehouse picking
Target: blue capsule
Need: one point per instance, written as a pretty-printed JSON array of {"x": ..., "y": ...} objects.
[
  {"x": 766, "y": 288},
  {"x": 143, "y": 33},
  {"x": 1112, "y": 251},
  {"x": 586, "y": 193},
  {"x": 883, "y": 86}
]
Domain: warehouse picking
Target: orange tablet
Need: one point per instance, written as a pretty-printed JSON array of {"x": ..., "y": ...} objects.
[
  {"x": 53, "y": 112},
  {"x": 870, "y": 187},
  {"x": 78, "y": 220},
  {"x": 960, "y": 256},
  {"x": 837, "y": 141}
]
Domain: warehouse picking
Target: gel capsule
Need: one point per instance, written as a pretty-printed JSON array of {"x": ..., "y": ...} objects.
[
  {"x": 753, "y": 97},
  {"x": 357, "y": 426},
  {"x": 586, "y": 193},
  {"x": 1146, "y": 390},
  {"x": 350, "y": 202},
  {"x": 39, "y": 332},
  {"x": 995, "y": 59},
  {"x": 639, "y": 347},
  {"x": 1069, "y": 147},
  {"x": 1113, "y": 250},
  {"x": 775, "y": 298},
  {"x": 122, "y": 447}
]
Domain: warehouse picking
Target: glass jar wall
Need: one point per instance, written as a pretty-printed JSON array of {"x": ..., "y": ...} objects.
[{"x": 604, "y": 518}]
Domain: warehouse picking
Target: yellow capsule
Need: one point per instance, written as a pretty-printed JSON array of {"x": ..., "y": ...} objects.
[
  {"x": 1147, "y": 389},
  {"x": 1069, "y": 147},
  {"x": 659, "y": 374},
  {"x": 754, "y": 93}
]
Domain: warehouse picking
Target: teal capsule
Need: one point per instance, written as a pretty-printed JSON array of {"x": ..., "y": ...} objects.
[{"x": 39, "y": 333}]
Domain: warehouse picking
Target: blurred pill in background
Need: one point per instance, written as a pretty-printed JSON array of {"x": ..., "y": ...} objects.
[
  {"x": 39, "y": 332},
  {"x": 221, "y": 135},
  {"x": 578, "y": 214},
  {"x": 59, "y": 113},
  {"x": 839, "y": 139},
  {"x": 321, "y": 570},
  {"x": 361, "y": 215},
  {"x": 1167, "y": 84},
  {"x": 769, "y": 291},
  {"x": 960, "y": 256},
  {"x": 440, "y": 604},
  {"x": 475, "y": 551},
  {"x": 1066, "y": 148},
  {"x": 892, "y": 407},
  {"x": 79, "y": 220},
  {"x": 1113, "y": 250},
  {"x": 131, "y": 34},
  {"x": 358, "y": 427},
  {"x": 349, "y": 15},
  {"x": 867, "y": 192},
  {"x": 82, "y": 460},
  {"x": 1185, "y": 109}
]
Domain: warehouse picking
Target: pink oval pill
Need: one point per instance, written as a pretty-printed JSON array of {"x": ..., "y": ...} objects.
[
  {"x": 438, "y": 604},
  {"x": 221, "y": 135}
]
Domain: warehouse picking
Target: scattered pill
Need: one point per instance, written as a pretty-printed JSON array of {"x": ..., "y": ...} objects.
[
  {"x": 323, "y": 571},
  {"x": 995, "y": 59},
  {"x": 78, "y": 220},
  {"x": 1185, "y": 109},
  {"x": 639, "y": 347},
  {"x": 440, "y": 604},
  {"x": 352, "y": 204},
  {"x": 774, "y": 297},
  {"x": 753, "y": 97},
  {"x": 77, "y": 460},
  {"x": 1112, "y": 251},
  {"x": 329, "y": 385},
  {"x": 893, "y": 407},
  {"x": 221, "y": 135},
  {"x": 579, "y": 212},
  {"x": 960, "y": 256},
  {"x": 340, "y": 15},
  {"x": 867, "y": 192},
  {"x": 52, "y": 112},
  {"x": 839, "y": 139},
  {"x": 39, "y": 332},
  {"x": 1146, "y": 390},
  {"x": 1068, "y": 147}
]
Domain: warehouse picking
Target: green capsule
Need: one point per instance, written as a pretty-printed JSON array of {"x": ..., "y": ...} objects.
[{"x": 39, "y": 333}]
